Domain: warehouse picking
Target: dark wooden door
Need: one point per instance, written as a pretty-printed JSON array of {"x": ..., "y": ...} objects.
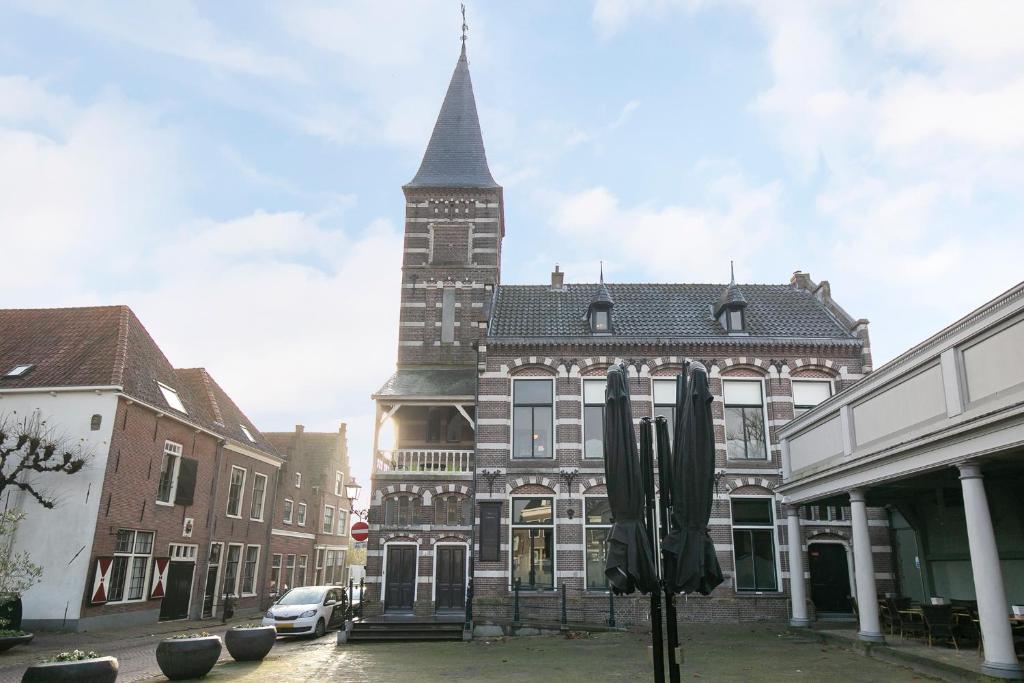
[
  {"x": 451, "y": 578},
  {"x": 830, "y": 577},
  {"x": 401, "y": 579},
  {"x": 179, "y": 588}
]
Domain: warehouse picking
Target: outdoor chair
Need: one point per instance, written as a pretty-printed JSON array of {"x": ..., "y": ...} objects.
[
  {"x": 938, "y": 620},
  {"x": 885, "y": 612},
  {"x": 966, "y": 626},
  {"x": 964, "y": 605},
  {"x": 910, "y": 624},
  {"x": 892, "y": 608}
]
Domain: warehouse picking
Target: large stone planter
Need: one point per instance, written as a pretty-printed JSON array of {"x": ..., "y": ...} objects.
[
  {"x": 7, "y": 642},
  {"x": 99, "y": 670},
  {"x": 250, "y": 644},
  {"x": 181, "y": 658}
]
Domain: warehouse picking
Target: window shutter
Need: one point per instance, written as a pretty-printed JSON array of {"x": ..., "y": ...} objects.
[
  {"x": 160, "y": 567},
  {"x": 101, "y": 580},
  {"x": 186, "y": 481},
  {"x": 490, "y": 532}
]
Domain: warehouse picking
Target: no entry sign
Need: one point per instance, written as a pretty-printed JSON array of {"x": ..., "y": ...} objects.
[{"x": 360, "y": 531}]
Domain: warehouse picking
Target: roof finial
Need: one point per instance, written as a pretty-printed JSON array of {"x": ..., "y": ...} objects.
[
  {"x": 465, "y": 27},
  {"x": 732, "y": 273},
  {"x": 602, "y": 272}
]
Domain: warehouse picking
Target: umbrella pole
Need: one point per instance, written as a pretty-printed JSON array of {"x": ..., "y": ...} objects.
[
  {"x": 647, "y": 470},
  {"x": 664, "y": 501}
]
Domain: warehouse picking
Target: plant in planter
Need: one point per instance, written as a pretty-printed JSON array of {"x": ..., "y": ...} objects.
[
  {"x": 9, "y": 637},
  {"x": 17, "y": 574},
  {"x": 250, "y": 642},
  {"x": 188, "y": 655},
  {"x": 76, "y": 665}
]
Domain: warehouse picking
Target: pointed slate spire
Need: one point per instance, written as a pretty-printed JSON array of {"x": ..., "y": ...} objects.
[
  {"x": 732, "y": 296},
  {"x": 455, "y": 155}
]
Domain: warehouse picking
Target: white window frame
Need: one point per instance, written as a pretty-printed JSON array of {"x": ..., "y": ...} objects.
[
  {"x": 175, "y": 450},
  {"x": 554, "y": 539},
  {"x": 241, "y": 493},
  {"x": 131, "y": 561},
  {"x": 586, "y": 527},
  {"x": 301, "y": 564},
  {"x": 241, "y": 564},
  {"x": 276, "y": 567},
  {"x": 341, "y": 522},
  {"x": 793, "y": 381},
  {"x": 172, "y": 398},
  {"x": 764, "y": 416},
  {"x": 298, "y": 480},
  {"x": 512, "y": 429},
  {"x": 323, "y": 524},
  {"x": 291, "y": 575},
  {"x": 775, "y": 543},
  {"x": 339, "y": 483},
  {"x": 19, "y": 370},
  {"x": 288, "y": 511},
  {"x": 319, "y": 558},
  {"x": 247, "y": 433},
  {"x": 300, "y": 514},
  {"x": 583, "y": 416},
  {"x": 255, "y": 571},
  {"x": 263, "y": 496}
]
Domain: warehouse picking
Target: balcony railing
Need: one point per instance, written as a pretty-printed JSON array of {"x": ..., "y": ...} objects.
[{"x": 425, "y": 461}]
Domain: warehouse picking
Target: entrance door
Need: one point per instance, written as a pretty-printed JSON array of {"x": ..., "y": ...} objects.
[
  {"x": 212, "y": 575},
  {"x": 179, "y": 589},
  {"x": 830, "y": 577},
  {"x": 450, "y": 581},
  {"x": 401, "y": 578}
]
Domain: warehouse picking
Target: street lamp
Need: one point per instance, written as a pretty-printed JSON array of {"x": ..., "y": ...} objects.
[{"x": 352, "y": 489}]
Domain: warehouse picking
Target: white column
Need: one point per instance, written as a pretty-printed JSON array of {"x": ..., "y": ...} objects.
[
  {"x": 797, "y": 584},
  {"x": 864, "y": 571},
  {"x": 997, "y": 639}
]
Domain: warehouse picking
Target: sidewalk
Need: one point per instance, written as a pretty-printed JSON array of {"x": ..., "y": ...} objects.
[{"x": 133, "y": 646}]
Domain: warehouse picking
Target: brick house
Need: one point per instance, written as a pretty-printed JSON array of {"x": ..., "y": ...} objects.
[
  {"x": 487, "y": 449},
  {"x": 172, "y": 510},
  {"x": 310, "y": 540}
]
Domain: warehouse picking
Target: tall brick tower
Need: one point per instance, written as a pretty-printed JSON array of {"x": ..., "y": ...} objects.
[{"x": 424, "y": 446}]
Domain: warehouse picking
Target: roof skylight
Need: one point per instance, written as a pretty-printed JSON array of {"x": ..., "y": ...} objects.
[
  {"x": 19, "y": 370},
  {"x": 172, "y": 398},
  {"x": 247, "y": 433}
]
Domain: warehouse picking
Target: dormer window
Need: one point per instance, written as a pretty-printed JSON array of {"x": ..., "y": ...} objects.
[
  {"x": 172, "y": 398},
  {"x": 732, "y": 320},
  {"x": 599, "y": 313},
  {"x": 599, "y": 321},
  {"x": 730, "y": 310}
]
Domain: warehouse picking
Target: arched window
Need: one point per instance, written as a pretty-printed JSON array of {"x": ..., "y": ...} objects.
[
  {"x": 450, "y": 511},
  {"x": 400, "y": 510}
]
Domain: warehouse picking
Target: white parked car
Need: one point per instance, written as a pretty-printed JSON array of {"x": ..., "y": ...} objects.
[{"x": 307, "y": 610}]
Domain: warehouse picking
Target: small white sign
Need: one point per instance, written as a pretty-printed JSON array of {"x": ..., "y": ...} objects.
[{"x": 186, "y": 528}]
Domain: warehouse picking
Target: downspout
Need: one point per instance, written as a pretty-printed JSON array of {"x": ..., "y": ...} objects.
[
  {"x": 262, "y": 593},
  {"x": 211, "y": 522}
]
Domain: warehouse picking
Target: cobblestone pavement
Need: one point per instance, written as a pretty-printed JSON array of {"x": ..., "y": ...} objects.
[{"x": 717, "y": 653}]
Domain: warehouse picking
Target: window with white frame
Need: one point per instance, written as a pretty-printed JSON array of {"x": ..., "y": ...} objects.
[
  {"x": 300, "y": 570},
  {"x": 259, "y": 493},
  {"x": 593, "y": 418},
  {"x": 533, "y": 543},
  {"x": 19, "y": 370},
  {"x": 298, "y": 480},
  {"x": 597, "y": 521},
  {"x": 399, "y": 510},
  {"x": 329, "y": 567},
  {"x": 745, "y": 433},
  {"x": 234, "y": 556},
  {"x": 172, "y": 398},
  {"x": 532, "y": 418},
  {"x": 132, "y": 553},
  {"x": 248, "y": 434},
  {"x": 289, "y": 571},
  {"x": 318, "y": 562},
  {"x": 289, "y": 507},
  {"x": 449, "y": 510},
  {"x": 827, "y": 513},
  {"x": 275, "y": 573},
  {"x": 249, "y": 570},
  {"x": 235, "y": 488},
  {"x": 753, "y": 543},
  {"x": 328, "y": 519},
  {"x": 300, "y": 516},
  {"x": 808, "y": 393},
  {"x": 169, "y": 468},
  {"x": 339, "y": 483},
  {"x": 342, "y": 522},
  {"x": 665, "y": 403}
]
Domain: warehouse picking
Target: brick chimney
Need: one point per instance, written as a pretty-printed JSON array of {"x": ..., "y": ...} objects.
[
  {"x": 557, "y": 279},
  {"x": 802, "y": 280}
]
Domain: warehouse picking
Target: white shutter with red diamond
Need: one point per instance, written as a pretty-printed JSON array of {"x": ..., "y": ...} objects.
[
  {"x": 160, "y": 567},
  {"x": 101, "y": 580}
]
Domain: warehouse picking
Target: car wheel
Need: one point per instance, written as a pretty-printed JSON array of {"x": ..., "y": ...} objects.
[{"x": 321, "y": 629}]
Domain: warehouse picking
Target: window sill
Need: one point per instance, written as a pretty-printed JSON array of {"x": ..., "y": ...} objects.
[
  {"x": 255, "y": 519},
  {"x": 285, "y": 521},
  {"x": 758, "y": 594},
  {"x": 161, "y": 503},
  {"x": 227, "y": 514}
]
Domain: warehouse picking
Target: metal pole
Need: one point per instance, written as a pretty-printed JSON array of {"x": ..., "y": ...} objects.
[
  {"x": 647, "y": 471},
  {"x": 350, "y": 585},
  {"x": 469, "y": 604},
  {"x": 565, "y": 619},
  {"x": 515, "y": 601},
  {"x": 665, "y": 477},
  {"x": 611, "y": 608}
]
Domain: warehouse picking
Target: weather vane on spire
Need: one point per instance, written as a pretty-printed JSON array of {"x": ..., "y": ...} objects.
[{"x": 465, "y": 26}]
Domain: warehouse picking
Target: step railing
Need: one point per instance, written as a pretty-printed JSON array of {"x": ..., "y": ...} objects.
[{"x": 425, "y": 461}]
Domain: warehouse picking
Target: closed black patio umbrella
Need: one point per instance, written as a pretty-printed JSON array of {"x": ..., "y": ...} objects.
[
  {"x": 630, "y": 565},
  {"x": 693, "y": 563}
]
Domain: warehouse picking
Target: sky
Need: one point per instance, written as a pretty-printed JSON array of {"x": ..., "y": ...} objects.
[{"x": 233, "y": 170}]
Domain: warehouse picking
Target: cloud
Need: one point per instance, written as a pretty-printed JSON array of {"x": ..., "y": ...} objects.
[{"x": 611, "y": 16}]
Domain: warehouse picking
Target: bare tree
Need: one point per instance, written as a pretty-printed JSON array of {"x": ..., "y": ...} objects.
[{"x": 28, "y": 447}]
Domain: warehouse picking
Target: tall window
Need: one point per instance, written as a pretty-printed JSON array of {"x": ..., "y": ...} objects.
[
  {"x": 289, "y": 571},
  {"x": 289, "y": 507},
  {"x": 744, "y": 420},
  {"x": 252, "y": 557},
  {"x": 450, "y": 511},
  {"x": 808, "y": 393},
  {"x": 398, "y": 510},
  {"x": 532, "y": 418},
  {"x": 593, "y": 418},
  {"x": 298, "y": 480},
  {"x": 328, "y": 519},
  {"x": 231, "y": 569},
  {"x": 597, "y": 519},
  {"x": 132, "y": 553},
  {"x": 339, "y": 483},
  {"x": 599, "y": 320},
  {"x": 259, "y": 492},
  {"x": 318, "y": 562},
  {"x": 275, "y": 573},
  {"x": 300, "y": 571},
  {"x": 342, "y": 522},
  {"x": 665, "y": 403},
  {"x": 753, "y": 543},
  {"x": 329, "y": 568},
  {"x": 533, "y": 559},
  {"x": 235, "y": 492},
  {"x": 300, "y": 516},
  {"x": 169, "y": 473}
]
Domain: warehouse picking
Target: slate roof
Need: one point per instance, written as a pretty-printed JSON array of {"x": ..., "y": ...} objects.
[
  {"x": 659, "y": 311},
  {"x": 731, "y": 295},
  {"x": 455, "y": 155},
  {"x": 429, "y": 382},
  {"x": 104, "y": 346}
]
